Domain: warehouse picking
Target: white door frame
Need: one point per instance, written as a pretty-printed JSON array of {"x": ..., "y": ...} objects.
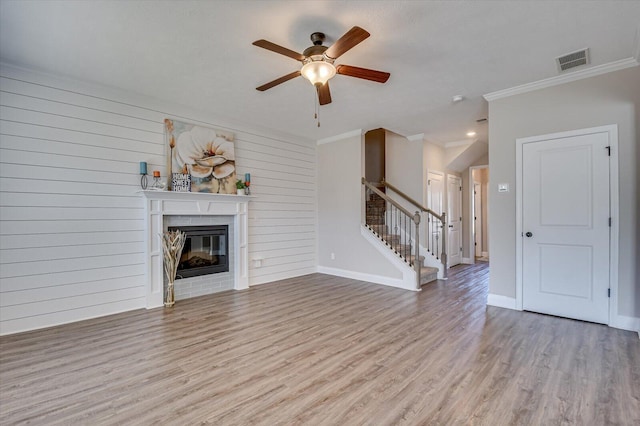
[
  {"x": 477, "y": 219},
  {"x": 472, "y": 249},
  {"x": 425, "y": 237},
  {"x": 458, "y": 195},
  {"x": 612, "y": 131}
]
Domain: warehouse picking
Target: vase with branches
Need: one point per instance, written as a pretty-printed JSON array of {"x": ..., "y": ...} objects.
[{"x": 172, "y": 245}]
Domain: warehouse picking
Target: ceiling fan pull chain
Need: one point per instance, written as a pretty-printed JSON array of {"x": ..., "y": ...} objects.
[{"x": 316, "y": 106}]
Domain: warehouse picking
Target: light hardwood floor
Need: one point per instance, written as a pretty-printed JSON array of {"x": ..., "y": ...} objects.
[{"x": 325, "y": 350}]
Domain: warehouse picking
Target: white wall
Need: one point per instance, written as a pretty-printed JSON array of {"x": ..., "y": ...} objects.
[
  {"x": 340, "y": 169},
  {"x": 433, "y": 158},
  {"x": 71, "y": 223},
  {"x": 403, "y": 167},
  {"x": 612, "y": 98}
]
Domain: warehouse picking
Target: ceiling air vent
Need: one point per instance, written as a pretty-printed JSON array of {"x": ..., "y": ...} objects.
[{"x": 572, "y": 60}]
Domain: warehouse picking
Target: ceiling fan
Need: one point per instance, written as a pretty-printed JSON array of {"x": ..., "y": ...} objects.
[{"x": 317, "y": 62}]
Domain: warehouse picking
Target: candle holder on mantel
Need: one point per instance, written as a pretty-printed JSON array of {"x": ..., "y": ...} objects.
[
  {"x": 143, "y": 175},
  {"x": 157, "y": 184},
  {"x": 247, "y": 183}
]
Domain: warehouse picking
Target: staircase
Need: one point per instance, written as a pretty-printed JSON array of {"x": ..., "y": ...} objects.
[{"x": 376, "y": 219}]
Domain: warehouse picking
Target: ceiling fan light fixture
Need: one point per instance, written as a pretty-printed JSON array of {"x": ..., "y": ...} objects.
[{"x": 318, "y": 72}]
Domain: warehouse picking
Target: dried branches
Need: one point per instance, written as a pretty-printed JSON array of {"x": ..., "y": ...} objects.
[{"x": 172, "y": 245}]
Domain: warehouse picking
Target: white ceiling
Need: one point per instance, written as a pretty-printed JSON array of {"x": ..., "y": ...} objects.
[{"x": 199, "y": 54}]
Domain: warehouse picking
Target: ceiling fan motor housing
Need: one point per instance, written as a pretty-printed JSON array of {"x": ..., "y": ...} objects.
[
  {"x": 317, "y": 38},
  {"x": 315, "y": 53}
]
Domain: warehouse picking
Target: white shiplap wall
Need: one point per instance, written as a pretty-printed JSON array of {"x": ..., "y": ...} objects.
[{"x": 71, "y": 223}]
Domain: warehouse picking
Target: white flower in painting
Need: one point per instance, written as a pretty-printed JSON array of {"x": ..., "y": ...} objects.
[{"x": 206, "y": 153}]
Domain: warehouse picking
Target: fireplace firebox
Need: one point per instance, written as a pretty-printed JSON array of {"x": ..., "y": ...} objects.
[{"x": 206, "y": 250}]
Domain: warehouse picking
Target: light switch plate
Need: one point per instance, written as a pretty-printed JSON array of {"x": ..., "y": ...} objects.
[{"x": 503, "y": 187}]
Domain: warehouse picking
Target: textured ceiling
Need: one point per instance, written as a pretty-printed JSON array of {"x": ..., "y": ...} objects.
[{"x": 199, "y": 53}]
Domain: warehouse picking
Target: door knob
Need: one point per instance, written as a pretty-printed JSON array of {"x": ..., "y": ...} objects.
[{"x": 529, "y": 234}]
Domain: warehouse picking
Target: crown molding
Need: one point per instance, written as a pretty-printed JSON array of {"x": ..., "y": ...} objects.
[
  {"x": 357, "y": 132},
  {"x": 466, "y": 142},
  {"x": 562, "y": 79},
  {"x": 436, "y": 143},
  {"x": 416, "y": 137}
]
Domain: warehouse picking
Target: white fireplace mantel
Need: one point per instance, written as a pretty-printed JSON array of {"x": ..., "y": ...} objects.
[{"x": 164, "y": 203}]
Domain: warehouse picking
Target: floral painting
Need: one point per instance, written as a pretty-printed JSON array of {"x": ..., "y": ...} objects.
[{"x": 204, "y": 153}]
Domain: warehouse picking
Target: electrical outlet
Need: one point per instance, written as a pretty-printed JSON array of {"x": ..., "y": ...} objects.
[{"x": 333, "y": 256}]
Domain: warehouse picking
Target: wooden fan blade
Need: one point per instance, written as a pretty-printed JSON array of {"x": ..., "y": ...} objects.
[
  {"x": 279, "y": 49},
  {"x": 367, "y": 74},
  {"x": 278, "y": 81},
  {"x": 353, "y": 37},
  {"x": 324, "y": 94}
]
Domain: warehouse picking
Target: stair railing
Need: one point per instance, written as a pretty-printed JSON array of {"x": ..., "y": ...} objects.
[
  {"x": 436, "y": 228},
  {"x": 395, "y": 226}
]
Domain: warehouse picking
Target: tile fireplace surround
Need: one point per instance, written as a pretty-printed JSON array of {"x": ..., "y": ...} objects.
[{"x": 159, "y": 204}]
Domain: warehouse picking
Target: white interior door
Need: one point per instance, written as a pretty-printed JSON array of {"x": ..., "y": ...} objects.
[
  {"x": 454, "y": 219},
  {"x": 565, "y": 224},
  {"x": 435, "y": 198},
  {"x": 477, "y": 218}
]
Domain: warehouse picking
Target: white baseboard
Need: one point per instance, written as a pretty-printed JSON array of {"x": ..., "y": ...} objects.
[
  {"x": 485, "y": 254},
  {"x": 467, "y": 261},
  {"x": 626, "y": 323},
  {"x": 361, "y": 276},
  {"x": 501, "y": 301},
  {"x": 620, "y": 321}
]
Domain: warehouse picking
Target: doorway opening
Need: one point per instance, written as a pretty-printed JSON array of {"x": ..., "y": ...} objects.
[{"x": 479, "y": 230}]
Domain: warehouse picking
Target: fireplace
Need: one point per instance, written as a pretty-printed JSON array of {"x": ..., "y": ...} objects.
[
  {"x": 161, "y": 205},
  {"x": 206, "y": 250}
]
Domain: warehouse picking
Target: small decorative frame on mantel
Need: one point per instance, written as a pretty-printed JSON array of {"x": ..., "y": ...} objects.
[{"x": 181, "y": 182}]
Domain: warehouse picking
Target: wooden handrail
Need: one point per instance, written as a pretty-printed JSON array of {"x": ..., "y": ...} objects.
[
  {"x": 440, "y": 217},
  {"x": 414, "y": 216}
]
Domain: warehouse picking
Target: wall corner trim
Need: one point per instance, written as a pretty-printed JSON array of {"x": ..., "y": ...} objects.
[
  {"x": 562, "y": 79},
  {"x": 636, "y": 51},
  {"x": 501, "y": 301},
  {"x": 357, "y": 132}
]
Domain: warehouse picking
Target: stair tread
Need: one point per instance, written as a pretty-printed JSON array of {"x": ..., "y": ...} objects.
[
  {"x": 428, "y": 270},
  {"x": 428, "y": 274}
]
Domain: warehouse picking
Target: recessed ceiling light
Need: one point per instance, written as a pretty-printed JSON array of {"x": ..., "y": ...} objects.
[
  {"x": 471, "y": 134},
  {"x": 457, "y": 98}
]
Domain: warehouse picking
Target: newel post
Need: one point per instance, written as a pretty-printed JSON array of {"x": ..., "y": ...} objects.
[
  {"x": 443, "y": 256},
  {"x": 416, "y": 262}
]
